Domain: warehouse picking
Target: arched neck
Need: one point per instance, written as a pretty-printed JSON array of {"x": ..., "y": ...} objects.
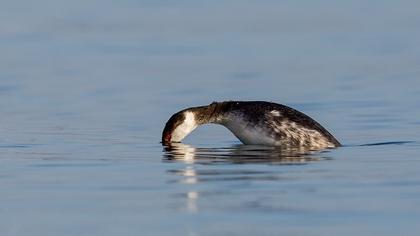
[{"x": 212, "y": 113}]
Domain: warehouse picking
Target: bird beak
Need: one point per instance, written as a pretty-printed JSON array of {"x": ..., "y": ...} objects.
[{"x": 166, "y": 139}]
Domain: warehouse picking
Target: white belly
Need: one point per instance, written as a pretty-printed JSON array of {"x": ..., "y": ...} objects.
[
  {"x": 258, "y": 134},
  {"x": 250, "y": 134}
]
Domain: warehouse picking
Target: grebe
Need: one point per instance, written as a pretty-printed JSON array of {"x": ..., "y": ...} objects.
[{"x": 252, "y": 122}]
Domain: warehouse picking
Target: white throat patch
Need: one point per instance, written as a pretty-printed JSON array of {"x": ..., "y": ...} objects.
[{"x": 185, "y": 127}]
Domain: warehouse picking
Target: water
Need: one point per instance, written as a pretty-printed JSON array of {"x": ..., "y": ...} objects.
[{"x": 86, "y": 87}]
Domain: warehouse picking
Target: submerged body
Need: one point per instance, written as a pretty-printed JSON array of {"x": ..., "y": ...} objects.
[{"x": 253, "y": 122}]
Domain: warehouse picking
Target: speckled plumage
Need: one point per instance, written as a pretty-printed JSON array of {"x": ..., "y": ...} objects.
[{"x": 257, "y": 122}]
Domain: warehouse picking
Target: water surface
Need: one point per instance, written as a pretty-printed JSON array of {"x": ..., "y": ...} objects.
[{"x": 86, "y": 87}]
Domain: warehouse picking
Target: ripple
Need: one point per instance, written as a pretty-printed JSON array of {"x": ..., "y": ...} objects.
[
  {"x": 388, "y": 143},
  {"x": 240, "y": 154},
  {"x": 19, "y": 145}
]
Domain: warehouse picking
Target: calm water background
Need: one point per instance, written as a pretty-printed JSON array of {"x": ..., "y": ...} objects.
[{"x": 86, "y": 87}]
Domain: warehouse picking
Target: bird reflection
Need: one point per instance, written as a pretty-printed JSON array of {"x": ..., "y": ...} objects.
[
  {"x": 190, "y": 177},
  {"x": 240, "y": 154},
  {"x": 192, "y": 197},
  {"x": 195, "y": 172}
]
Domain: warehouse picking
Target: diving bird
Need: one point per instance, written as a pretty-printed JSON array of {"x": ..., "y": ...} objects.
[{"x": 252, "y": 122}]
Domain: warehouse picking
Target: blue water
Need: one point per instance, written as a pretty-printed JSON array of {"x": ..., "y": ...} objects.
[{"x": 86, "y": 87}]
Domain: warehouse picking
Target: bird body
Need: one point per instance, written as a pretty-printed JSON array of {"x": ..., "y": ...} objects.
[{"x": 253, "y": 122}]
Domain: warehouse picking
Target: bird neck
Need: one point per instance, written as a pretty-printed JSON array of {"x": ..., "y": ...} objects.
[{"x": 212, "y": 113}]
